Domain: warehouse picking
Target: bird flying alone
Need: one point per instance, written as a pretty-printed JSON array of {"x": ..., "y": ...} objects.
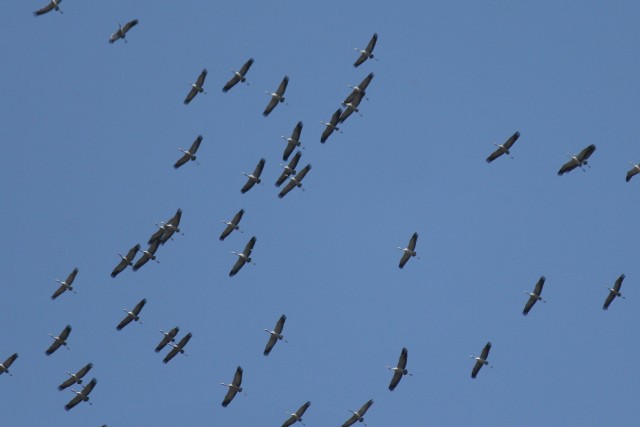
[
  {"x": 243, "y": 257},
  {"x": 232, "y": 225},
  {"x": 358, "y": 415},
  {"x": 292, "y": 142},
  {"x": 400, "y": 370},
  {"x": 238, "y": 76},
  {"x": 503, "y": 148},
  {"x": 577, "y": 160},
  {"x": 81, "y": 396},
  {"x": 331, "y": 126},
  {"x": 59, "y": 341},
  {"x": 613, "y": 292},
  {"x": 254, "y": 178},
  {"x": 367, "y": 52},
  {"x": 189, "y": 154},
  {"x": 296, "y": 416},
  {"x": 633, "y": 171},
  {"x": 534, "y": 296},
  {"x": 66, "y": 285},
  {"x": 481, "y": 360},
  {"x": 295, "y": 181},
  {"x": 409, "y": 251},
  {"x": 125, "y": 261},
  {"x": 132, "y": 315},
  {"x": 122, "y": 31},
  {"x": 197, "y": 87},
  {"x": 234, "y": 387},
  {"x": 52, "y": 5},
  {"x": 277, "y": 96},
  {"x": 4, "y": 366},
  {"x": 275, "y": 335}
]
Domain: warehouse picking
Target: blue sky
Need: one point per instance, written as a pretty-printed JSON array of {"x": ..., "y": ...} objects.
[{"x": 90, "y": 132}]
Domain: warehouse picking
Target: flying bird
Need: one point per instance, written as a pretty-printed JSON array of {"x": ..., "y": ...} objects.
[
  {"x": 400, "y": 370},
  {"x": 167, "y": 338},
  {"x": 4, "y": 366},
  {"x": 331, "y": 126},
  {"x": 292, "y": 142},
  {"x": 409, "y": 251},
  {"x": 351, "y": 107},
  {"x": 126, "y": 260},
  {"x": 613, "y": 292},
  {"x": 296, "y": 416},
  {"x": 254, "y": 178},
  {"x": 132, "y": 315},
  {"x": 122, "y": 31},
  {"x": 60, "y": 340},
  {"x": 634, "y": 170},
  {"x": 503, "y": 148},
  {"x": 577, "y": 160},
  {"x": 66, "y": 285},
  {"x": 177, "y": 348},
  {"x": 238, "y": 76},
  {"x": 150, "y": 253},
  {"x": 170, "y": 227},
  {"x": 232, "y": 225},
  {"x": 189, "y": 154},
  {"x": 234, "y": 387},
  {"x": 358, "y": 415},
  {"x": 53, "y": 5},
  {"x": 276, "y": 97},
  {"x": 534, "y": 296},
  {"x": 361, "y": 88},
  {"x": 81, "y": 396},
  {"x": 275, "y": 335},
  {"x": 289, "y": 169},
  {"x": 76, "y": 378},
  {"x": 295, "y": 181},
  {"x": 196, "y": 87},
  {"x": 367, "y": 52},
  {"x": 243, "y": 257},
  {"x": 480, "y": 360}
]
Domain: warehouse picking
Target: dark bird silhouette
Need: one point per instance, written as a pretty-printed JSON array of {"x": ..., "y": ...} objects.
[
  {"x": 122, "y": 31},
  {"x": 53, "y": 5},
  {"x": 254, "y": 178},
  {"x": 132, "y": 315},
  {"x": 243, "y": 257},
  {"x": 503, "y": 148},
  {"x": 77, "y": 377},
  {"x": 358, "y": 415},
  {"x": 292, "y": 142},
  {"x": 234, "y": 387},
  {"x": 577, "y": 160},
  {"x": 275, "y": 335},
  {"x": 238, "y": 76},
  {"x": 295, "y": 181},
  {"x": 150, "y": 253},
  {"x": 81, "y": 396},
  {"x": 400, "y": 370},
  {"x": 409, "y": 251},
  {"x": 276, "y": 97},
  {"x": 232, "y": 225},
  {"x": 331, "y": 126},
  {"x": 170, "y": 227},
  {"x": 4, "y": 366},
  {"x": 197, "y": 87},
  {"x": 189, "y": 154},
  {"x": 367, "y": 52},
  {"x": 289, "y": 169},
  {"x": 177, "y": 348},
  {"x": 351, "y": 107},
  {"x": 633, "y": 171},
  {"x": 66, "y": 285},
  {"x": 534, "y": 296},
  {"x": 167, "y": 338},
  {"x": 296, "y": 416},
  {"x": 60, "y": 340},
  {"x": 480, "y": 360},
  {"x": 361, "y": 88},
  {"x": 125, "y": 261},
  {"x": 613, "y": 292}
]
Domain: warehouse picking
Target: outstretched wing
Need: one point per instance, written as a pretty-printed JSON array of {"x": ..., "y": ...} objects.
[
  {"x": 231, "y": 83},
  {"x": 586, "y": 152},
  {"x": 71, "y": 277},
  {"x": 231, "y": 393},
  {"x": 249, "y": 246},
  {"x": 280, "y": 324},
  {"x": 138, "y": 307},
  {"x": 351, "y": 421},
  {"x": 124, "y": 322},
  {"x": 237, "y": 266},
  {"x": 538, "y": 288},
  {"x": 397, "y": 376},
  {"x": 272, "y": 341},
  {"x": 201, "y": 77},
  {"x": 609, "y": 299},
  {"x": 47, "y": 8},
  {"x": 59, "y": 292},
  {"x": 73, "y": 402},
  {"x": 632, "y": 172},
  {"x": 497, "y": 153},
  {"x": 485, "y": 351},
  {"x": 476, "y": 369},
  {"x": 530, "y": 303},
  {"x": 618, "y": 284},
  {"x": 363, "y": 410},
  {"x": 182, "y": 160},
  {"x": 192, "y": 93},
  {"x": 259, "y": 167},
  {"x": 568, "y": 167},
  {"x": 290, "y": 186},
  {"x": 283, "y": 86},
  {"x": 270, "y": 106},
  {"x": 512, "y": 139},
  {"x": 413, "y": 241},
  {"x": 167, "y": 338},
  {"x": 129, "y": 25},
  {"x": 245, "y": 67}
]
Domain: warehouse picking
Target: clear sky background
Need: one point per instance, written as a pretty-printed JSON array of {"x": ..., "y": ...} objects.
[{"x": 89, "y": 136}]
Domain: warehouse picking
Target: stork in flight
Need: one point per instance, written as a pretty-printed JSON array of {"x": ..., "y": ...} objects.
[
  {"x": 125, "y": 260},
  {"x": 503, "y": 148},
  {"x": 400, "y": 370},
  {"x": 66, "y": 285},
  {"x": 189, "y": 154},
  {"x": 614, "y": 292},
  {"x": 59, "y": 341},
  {"x": 197, "y": 87},
  {"x": 122, "y": 31},
  {"x": 238, "y": 76},
  {"x": 296, "y": 416},
  {"x": 367, "y": 52},
  {"x": 331, "y": 126},
  {"x": 243, "y": 257},
  {"x": 81, "y": 396},
  {"x": 76, "y": 378},
  {"x": 289, "y": 169},
  {"x": 167, "y": 338},
  {"x": 481, "y": 360},
  {"x": 277, "y": 96},
  {"x": 177, "y": 348},
  {"x": 351, "y": 107},
  {"x": 633, "y": 171},
  {"x": 150, "y": 253},
  {"x": 234, "y": 387},
  {"x": 358, "y": 415},
  {"x": 578, "y": 160},
  {"x": 132, "y": 315},
  {"x": 295, "y": 181},
  {"x": 4, "y": 366},
  {"x": 361, "y": 88},
  {"x": 534, "y": 296},
  {"x": 254, "y": 178},
  {"x": 292, "y": 142},
  {"x": 409, "y": 251},
  {"x": 275, "y": 335},
  {"x": 53, "y": 5},
  {"x": 232, "y": 225}
]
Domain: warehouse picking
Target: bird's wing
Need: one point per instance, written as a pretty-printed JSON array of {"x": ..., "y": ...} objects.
[
  {"x": 290, "y": 186},
  {"x": 171, "y": 354},
  {"x": 245, "y": 67},
  {"x": 68, "y": 383},
  {"x": 83, "y": 371},
  {"x": 142, "y": 261},
  {"x": 365, "y": 82},
  {"x": 195, "y": 145},
  {"x": 258, "y": 170},
  {"x": 618, "y": 284},
  {"x": 300, "y": 175},
  {"x": 512, "y": 139},
  {"x": 182, "y": 160},
  {"x": 129, "y": 25},
  {"x": 283, "y": 176},
  {"x": 237, "y": 377},
  {"x": 237, "y": 217},
  {"x": 73, "y": 402},
  {"x": 270, "y": 106},
  {"x": 283, "y": 86},
  {"x": 485, "y": 351},
  {"x": 237, "y": 266},
  {"x": 346, "y": 113},
  {"x": 350, "y": 97},
  {"x": 138, "y": 307},
  {"x": 231, "y": 393},
  {"x": 227, "y": 230},
  {"x": 156, "y": 236},
  {"x": 184, "y": 340},
  {"x": 201, "y": 77},
  {"x": 163, "y": 343},
  {"x": 363, "y": 410},
  {"x": 538, "y": 288},
  {"x": 328, "y": 130},
  {"x": 118, "y": 268},
  {"x": 495, "y": 155},
  {"x": 568, "y": 167},
  {"x": 363, "y": 57},
  {"x": 290, "y": 421},
  {"x": 249, "y": 246},
  {"x": 404, "y": 259},
  {"x": 87, "y": 389},
  {"x": 71, "y": 277},
  {"x": 397, "y": 376},
  {"x": 402, "y": 361},
  {"x": 248, "y": 185},
  {"x": 372, "y": 43},
  {"x": 192, "y": 93},
  {"x": 132, "y": 252},
  {"x": 586, "y": 152},
  {"x": 7, "y": 363},
  {"x": 115, "y": 36},
  {"x": 45, "y": 9},
  {"x": 295, "y": 135},
  {"x": 301, "y": 410},
  {"x": 280, "y": 324},
  {"x": 272, "y": 341},
  {"x": 631, "y": 173},
  {"x": 288, "y": 150},
  {"x": 610, "y": 298},
  {"x": 175, "y": 220},
  {"x": 65, "y": 333},
  {"x": 231, "y": 83},
  {"x": 413, "y": 241},
  {"x": 124, "y": 322},
  {"x": 59, "y": 292},
  {"x": 530, "y": 303},
  {"x": 351, "y": 421},
  {"x": 53, "y": 347},
  {"x": 476, "y": 369}
]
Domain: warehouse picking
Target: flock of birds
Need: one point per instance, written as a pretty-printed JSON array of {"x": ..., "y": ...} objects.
[{"x": 166, "y": 231}]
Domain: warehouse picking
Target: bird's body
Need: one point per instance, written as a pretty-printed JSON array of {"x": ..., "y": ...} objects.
[
  {"x": 234, "y": 387},
  {"x": 613, "y": 292},
  {"x": 189, "y": 154},
  {"x": 167, "y": 338},
  {"x": 66, "y": 285},
  {"x": 351, "y": 107},
  {"x": 238, "y": 76},
  {"x": 125, "y": 260},
  {"x": 503, "y": 148},
  {"x": 197, "y": 87},
  {"x": 633, "y": 171},
  {"x": 400, "y": 370},
  {"x": 243, "y": 257},
  {"x": 534, "y": 296},
  {"x": 358, "y": 415},
  {"x": 4, "y": 366},
  {"x": 170, "y": 227},
  {"x": 275, "y": 335},
  {"x": 132, "y": 315},
  {"x": 292, "y": 142},
  {"x": 122, "y": 31},
  {"x": 254, "y": 178},
  {"x": 409, "y": 251},
  {"x": 76, "y": 378},
  {"x": 289, "y": 169},
  {"x": 53, "y": 5},
  {"x": 81, "y": 396},
  {"x": 276, "y": 97},
  {"x": 177, "y": 348},
  {"x": 577, "y": 160},
  {"x": 296, "y": 416},
  {"x": 295, "y": 181},
  {"x": 232, "y": 225},
  {"x": 480, "y": 360},
  {"x": 59, "y": 341},
  {"x": 367, "y": 52},
  {"x": 331, "y": 126},
  {"x": 150, "y": 253}
]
